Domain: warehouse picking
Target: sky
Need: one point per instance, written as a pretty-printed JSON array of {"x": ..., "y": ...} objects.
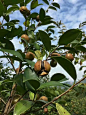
[{"x": 71, "y": 13}]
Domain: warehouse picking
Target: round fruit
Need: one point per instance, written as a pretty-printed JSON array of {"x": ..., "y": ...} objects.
[
  {"x": 69, "y": 56},
  {"x": 53, "y": 63},
  {"x": 30, "y": 55},
  {"x": 42, "y": 67},
  {"x": 37, "y": 18},
  {"x": 43, "y": 98},
  {"x": 45, "y": 110},
  {"x": 23, "y": 9},
  {"x": 15, "y": 99},
  {"x": 0, "y": 23},
  {"x": 25, "y": 37},
  {"x": 55, "y": 54}
]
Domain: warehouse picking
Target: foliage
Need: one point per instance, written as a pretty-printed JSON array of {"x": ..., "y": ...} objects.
[{"x": 24, "y": 80}]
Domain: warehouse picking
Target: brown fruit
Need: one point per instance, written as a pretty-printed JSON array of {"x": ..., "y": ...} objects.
[
  {"x": 0, "y": 24},
  {"x": 23, "y": 9},
  {"x": 42, "y": 67},
  {"x": 43, "y": 98},
  {"x": 45, "y": 110},
  {"x": 25, "y": 37},
  {"x": 30, "y": 55},
  {"x": 15, "y": 99},
  {"x": 37, "y": 18},
  {"x": 55, "y": 54},
  {"x": 53, "y": 63},
  {"x": 69, "y": 56}
]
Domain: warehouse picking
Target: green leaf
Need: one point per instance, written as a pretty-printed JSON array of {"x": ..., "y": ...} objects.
[
  {"x": 31, "y": 76},
  {"x": 61, "y": 110},
  {"x": 3, "y": 33},
  {"x": 9, "y": 24},
  {"x": 8, "y": 44},
  {"x": 57, "y": 77},
  {"x": 12, "y": 2},
  {"x": 13, "y": 8},
  {"x": 67, "y": 66},
  {"x": 37, "y": 46},
  {"x": 45, "y": 39},
  {"x": 81, "y": 48},
  {"x": 34, "y": 4},
  {"x": 56, "y": 5},
  {"x": 34, "y": 15},
  {"x": 1, "y": 8},
  {"x": 53, "y": 8},
  {"x": 31, "y": 63},
  {"x": 15, "y": 32},
  {"x": 27, "y": 1},
  {"x": 46, "y": 2},
  {"x": 69, "y": 36},
  {"x": 29, "y": 87},
  {"x": 22, "y": 106},
  {"x": 42, "y": 14},
  {"x": 18, "y": 79},
  {"x": 50, "y": 83},
  {"x": 15, "y": 53}
]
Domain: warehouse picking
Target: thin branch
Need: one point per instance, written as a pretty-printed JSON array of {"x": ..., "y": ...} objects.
[{"x": 3, "y": 101}]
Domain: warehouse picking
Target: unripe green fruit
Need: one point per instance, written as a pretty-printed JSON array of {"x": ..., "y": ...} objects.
[{"x": 53, "y": 63}]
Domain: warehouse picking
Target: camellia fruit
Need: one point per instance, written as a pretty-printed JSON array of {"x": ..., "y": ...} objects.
[
  {"x": 42, "y": 67},
  {"x": 53, "y": 63},
  {"x": 45, "y": 110},
  {"x": 37, "y": 18},
  {"x": 30, "y": 56},
  {"x": 25, "y": 37},
  {"x": 69, "y": 56},
  {"x": 43, "y": 98},
  {"x": 55, "y": 54}
]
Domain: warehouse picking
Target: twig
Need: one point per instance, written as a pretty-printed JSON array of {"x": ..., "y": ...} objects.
[{"x": 2, "y": 101}]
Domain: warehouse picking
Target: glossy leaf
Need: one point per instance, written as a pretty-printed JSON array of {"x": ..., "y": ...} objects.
[
  {"x": 61, "y": 110},
  {"x": 15, "y": 53},
  {"x": 53, "y": 8},
  {"x": 8, "y": 44},
  {"x": 56, "y": 5},
  {"x": 46, "y": 1},
  {"x": 15, "y": 32},
  {"x": 18, "y": 79},
  {"x": 67, "y": 66},
  {"x": 33, "y": 15},
  {"x": 22, "y": 106},
  {"x": 57, "y": 77},
  {"x": 1, "y": 8},
  {"x": 29, "y": 87},
  {"x": 45, "y": 39},
  {"x": 13, "y": 8},
  {"x": 31, "y": 63},
  {"x": 42, "y": 14},
  {"x": 3, "y": 33},
  {"x": 81, "y": 48},
  {"x": 69, "y": 36},
  {"x": 31, "y": 76},
  {"x": 50, "y": 83},
  {"x": 12, "y": 2},
  {"x": 27, "y": 1},
  {"x": 34, "y": 4}
]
